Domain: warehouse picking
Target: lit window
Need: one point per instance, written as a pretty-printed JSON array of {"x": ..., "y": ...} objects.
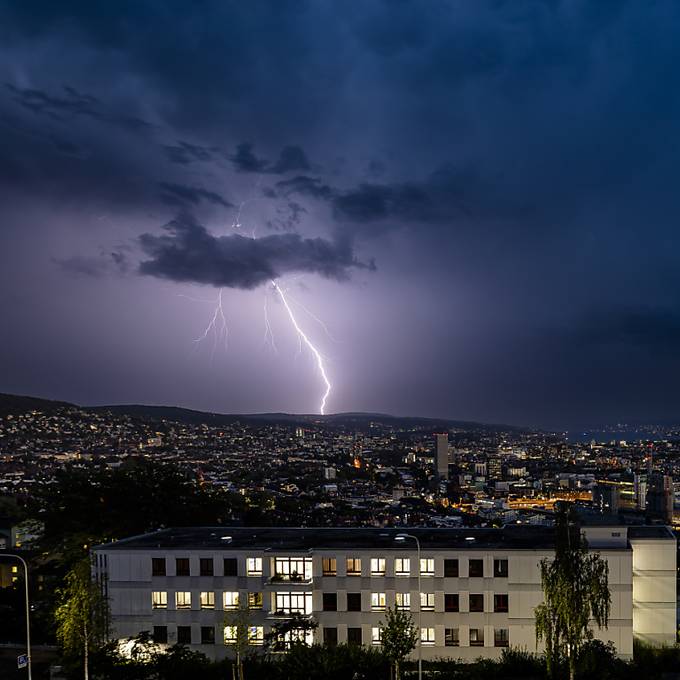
[
  {"x": 230, "y": 599},
  {"x": 293, "y": 603},
  {"x": 376, "y": 635},
  {"x": 293, "y": 568},
  {"x": 254, "y": 600},
  {"x": 403, "y": 601},
  {"x": 183, "y": 600},
  {"x": 329, "y": 566},
  {"x": 254, "y": 566},
  {"x": 427, "y": 602},
  {"x": 378, "y": 566},
  {"x": 353, "y": 566},
  {"x": 402, "y": 566},
  {"x": 230, "y": 635},
  {"x": 427, "y": 636},
  {"x": 377, "y": 601},
  {"x": 159, "y": 599},
  {"x": 15, "y": 570},
  {"x": 255, "y": 635},
  {"x": 208, "y": 600},
  {"x": 427, "y": 566}
]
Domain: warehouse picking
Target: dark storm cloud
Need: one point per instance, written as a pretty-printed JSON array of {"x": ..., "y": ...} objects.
[
  {"x": 181, "y": 194},
  {"x": 189, "y": 253},
  {"x": 185, "y": 153},
  {"x": 291, "y": 158},
  {"x": 305, "y": 186}
]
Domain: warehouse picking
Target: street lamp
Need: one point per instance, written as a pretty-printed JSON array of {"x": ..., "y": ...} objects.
[
  {"x": 401, "y": 538},
  {"x": 28, "y": 609}
]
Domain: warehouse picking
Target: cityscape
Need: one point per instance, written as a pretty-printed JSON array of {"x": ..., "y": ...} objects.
[{"x": 339, "y": 340}]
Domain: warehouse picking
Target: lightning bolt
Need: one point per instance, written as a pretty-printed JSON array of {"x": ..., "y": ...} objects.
[
  {"x": 303, "y": 338},
  {"x": 217, "y": 325},
  {"x": 268, "y": 333}
]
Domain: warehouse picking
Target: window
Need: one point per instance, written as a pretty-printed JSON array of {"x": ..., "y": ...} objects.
[
  {"x": 207, "y": 635},
  {"x": 329, "y": 566},
  {"x": 476, "y": 568},
  {"x": 353, "y": 602},
  {"x": 183, "y": 635},
  {"x": 354, "y": 636},
  {"x": 500, "y": 637},
  {"x": 403, "y": 601},
  {"x": 451, "y": 637},
  {"x": 183, "y": 600},
  {"x": 158, "y": 566},
  {"x": 293, "y": 568},
  {"x": 330, "y": 636},
  {"x": 230, "y": 600},
  {"x": 376, "y": 635},
  {"x": 451, "y": 603},
  {"x": 476, "y": 602},
  {"x": 500, "y": 568},
  {"x": 330, "y": 602},
  {"x": 500, "y": 602},
  {"x": 254, "y": 566},
  {"x": 208, "y": 600},
  {"x": 427, "y": 636},
  {"x": 377, "y": 566},
  {"x": 230, "y": 634},
  {"x": 476, "y": 637},
  {"x": 378, "y": 601},
  {"x": 451, "y": 569},
  {"x": 254, "y": 600},
  {"x": 427, "y": 602},
  {"x": 160, "y": 634},
  {"x": 182, "y": 566},
  {"x": 206, "y": 566},
  {"x": 230, "y": 566},
  {"x": 255, "y": 635},
  {"x": 293, "y": 603},
  {"x": 353, "y": 566},
  {"x": 427, "y": 566},
  {"x": 159, "y": 599},
  {"x": 402, "y": 566}
]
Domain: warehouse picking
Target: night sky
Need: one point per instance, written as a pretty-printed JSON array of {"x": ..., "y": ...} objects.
[{"x": 480, "y": 200}]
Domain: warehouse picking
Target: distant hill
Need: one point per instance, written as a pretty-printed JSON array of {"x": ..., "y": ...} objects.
[{"x": 14, "y": 404}]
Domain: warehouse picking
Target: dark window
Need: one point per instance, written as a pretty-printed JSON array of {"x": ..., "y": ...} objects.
[
  {"x": 451, "y": 568},
  {"x": 476, "y": 568},
  {"x": 476, "y": 637},
  {"x": 353, "y": 602},
  {"x": 182, "y": 566},
  {"x": 451, "y": 638},
  {"x": 206, "y": 564},
  {"x": 330, "y": 636},
  {"x": 450, "y": 602},
  {"x": 500, "y": 637},
  {"x": 158, "y": 566},
  {"x": 160, "y": 634},
  {"x": 184, "y": 635},
  {"x": 330, "y": 602},
  {"x": 476, "y": 603},
  {"x": 354, "y": 636},
  {"x": 500, "y": 568},
  {"x": 500, "y": 602},
  {"x": 207, "y": 635},
  {"x": 230, "y": 566}
]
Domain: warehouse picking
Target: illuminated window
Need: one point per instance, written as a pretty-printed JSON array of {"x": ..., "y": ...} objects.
[
  {"x": 329, "y": 566},
  {"x": 402, "y": 566},
  {"x": 427, "y": 636},
  {"x": 293, "y": 603},
  {"x": 427, "y": 566},
  {"x": 377, "y": 566},
  {"x": 353, "y": 566},
  {"x": 183, "y": 600},
  {"x": 427, "y": 602},
  {"x": 159, "y": 599},
  {"x": 254, "y": 600},
  {"x": 230, "y": 635},
  {"x": 208, "y": 600},
  {"x": 255, "y": 635},
  {"x": 377, "y": 601},
  {"x": 403, "y": 601},
  {"x": 254, "y": 566},
  {"x": 230, "y": 600},
  {"x": 376, "y": 635},
  {"x": 293, "y": 568}
]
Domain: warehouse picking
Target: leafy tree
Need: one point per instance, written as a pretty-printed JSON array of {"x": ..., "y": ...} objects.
[
  {"x": 294, "y": 627},
  {"x": 575, "y": 589},
  {"x": 399, "y": 637},
  {"x": 240, "y": 622},
  {"x": 82, "y": 614}
]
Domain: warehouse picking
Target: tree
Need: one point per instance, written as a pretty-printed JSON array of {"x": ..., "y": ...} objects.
[
  {"x": 237, "y": 623},
  {"x": 82, "y": 613},
  {"x": 399, "y": 637},
  {"x": 289, "y": 632},
  {"x": 575, "y": 590}
]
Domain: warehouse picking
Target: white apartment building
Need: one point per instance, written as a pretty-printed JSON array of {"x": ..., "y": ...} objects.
[{"x": 471, "y": 592}]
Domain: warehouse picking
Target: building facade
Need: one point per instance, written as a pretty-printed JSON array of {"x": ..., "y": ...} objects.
[{"x": 472, "y": 592}]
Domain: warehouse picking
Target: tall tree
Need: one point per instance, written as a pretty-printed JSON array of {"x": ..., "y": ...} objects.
[
  {"x": 575, "y": 591},
  {"x": 399, "y": 638},
  {"x": 82, "y": 613},
  {"x": 237, "y": 624}
]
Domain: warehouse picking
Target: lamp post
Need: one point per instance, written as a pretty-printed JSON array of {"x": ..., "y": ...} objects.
[
  {"x": 28, "y": 609},
  {"x": 401, "y": 538}
]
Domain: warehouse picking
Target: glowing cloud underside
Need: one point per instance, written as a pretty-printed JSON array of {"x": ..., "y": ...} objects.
[{"x": 312, "y": 349}]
